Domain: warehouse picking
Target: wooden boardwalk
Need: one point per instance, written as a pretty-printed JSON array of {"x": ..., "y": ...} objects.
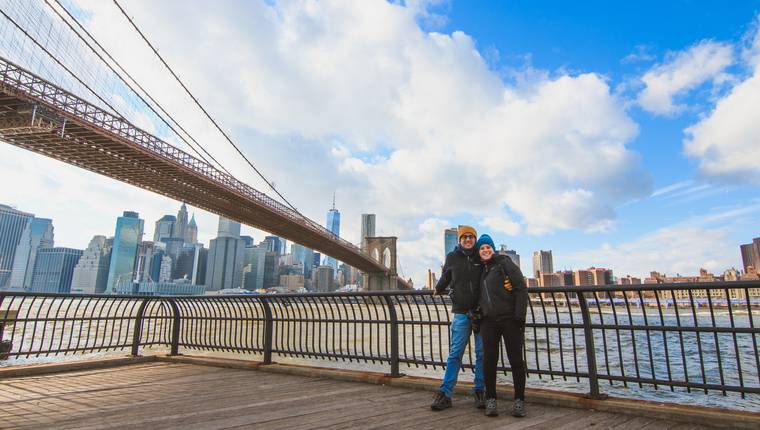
[{"x": 179, "y": 396}]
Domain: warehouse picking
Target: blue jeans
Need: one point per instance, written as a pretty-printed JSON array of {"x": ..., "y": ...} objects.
[{"x": 460, "y": 336}]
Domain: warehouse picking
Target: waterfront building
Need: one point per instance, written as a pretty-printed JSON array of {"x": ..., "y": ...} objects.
[
  {"x": 164, "y": 228},
  {"x": 91, "y": 272},
  {"x": 450, "y": 240},
  {"x": 333, "y": 225},
  {"x": 750, "y": 253},
  {"x": 12, "y": 225},
  {"x": 323, "y": 279},
  {"x": 180, "y": 287},
  {"x": 291, "y": 283},
  {"x": 368, "y": 227},
  {"x": 37, "y": 234},
  {"x": 189, "y": 261},
  {"x": 542, "y": 263},
  {"x": 129, "y": 230},
  {"x": 54, "y": 269},
  {"x": 224, "y": 269},
  {"x": 629, "y": 280}
]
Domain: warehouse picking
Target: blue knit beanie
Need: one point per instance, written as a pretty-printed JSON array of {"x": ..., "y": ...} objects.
[{"x": 485, "y": 240}]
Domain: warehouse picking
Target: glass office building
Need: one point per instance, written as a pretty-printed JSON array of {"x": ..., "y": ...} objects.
[
  {"x": 129, "y": 230},
  {"x": 54, "y": 269},
  {"x": 12, "y": 225}
]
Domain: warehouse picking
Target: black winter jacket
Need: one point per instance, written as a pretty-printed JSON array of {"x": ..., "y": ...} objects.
[
  {"x": 461, "y": 275},
  {"x": 496, "y": 302}
]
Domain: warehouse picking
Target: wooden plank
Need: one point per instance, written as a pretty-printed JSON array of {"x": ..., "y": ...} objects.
[{"x": 173, "y": 396}]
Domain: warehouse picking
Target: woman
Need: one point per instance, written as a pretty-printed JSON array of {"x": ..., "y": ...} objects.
[{"x": 503, "y": 303}]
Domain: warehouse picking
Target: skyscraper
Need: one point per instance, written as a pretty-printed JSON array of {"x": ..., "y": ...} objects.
[
  {"x": 274, "y": 244},
  {"x": 368, "y": 226},
  {"x": 180, "y": 229},
  {"x": 450, "y": 240},
  {"x": 53, "y": 269},
  {"x": 228, "y": 228},
  {"x": 12, "y": 225},
  {"x": 224, "y": 269},
  {"x": 323, "y": 279},
  {"x": 305, "y": 256},
  {"x": 748, "y": 256},
  {"x": 333, "y": 224},
  {"x": 164, "y": 228},
  {"x": 256, "y": 265},
  {"x": 129, "y": 230},
  {"x": 191, "y": 236},
  {"x": 37, "y": 234},
  {"x": 542, "y": 263},
  {"x": 91, "y": 272}
]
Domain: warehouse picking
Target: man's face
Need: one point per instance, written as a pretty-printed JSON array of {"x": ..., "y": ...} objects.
[{"x": 467, "y": 241}]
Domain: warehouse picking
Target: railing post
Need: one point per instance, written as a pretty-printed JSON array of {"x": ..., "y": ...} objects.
[
  {"x": 138, "y": 328},
  {"x": 175, "y": 327},
  {"x": 588, "y": 333},
  {"x": 394, "y": 336},
  {"x": 268, "y": 330}
]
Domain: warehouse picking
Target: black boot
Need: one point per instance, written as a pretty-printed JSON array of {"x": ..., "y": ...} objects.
[
  {"x": 480, "y": 399},
  {"x": 440, "y": 402}
]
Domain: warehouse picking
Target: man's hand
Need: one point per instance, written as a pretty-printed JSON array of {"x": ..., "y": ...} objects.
[{"x": 507, "y": 284}]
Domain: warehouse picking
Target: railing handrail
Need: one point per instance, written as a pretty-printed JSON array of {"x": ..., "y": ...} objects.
[{"x": 683, "y": 286}]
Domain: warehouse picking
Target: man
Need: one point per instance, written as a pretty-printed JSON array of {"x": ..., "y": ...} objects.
[{"x": 461, "y": 276}]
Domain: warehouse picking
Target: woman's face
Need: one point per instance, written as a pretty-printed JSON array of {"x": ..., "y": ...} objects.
[{"x": 486, "y": 252}]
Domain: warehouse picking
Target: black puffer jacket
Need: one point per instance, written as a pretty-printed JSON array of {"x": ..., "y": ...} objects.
[
  {"x": 496, "y": 302},
  {"x": 461, "y": 275}
]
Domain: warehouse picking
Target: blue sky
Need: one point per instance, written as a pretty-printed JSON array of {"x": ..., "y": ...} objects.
[
  {"x": 620, "y": 40},
  {"x": 615, "y": 134}
]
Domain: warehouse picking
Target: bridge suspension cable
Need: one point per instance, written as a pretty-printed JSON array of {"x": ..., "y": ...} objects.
[
  {"x": 197, "y": 103},
  {"x": 60, "y": 63},
  {"x": 121, "y": 78}
]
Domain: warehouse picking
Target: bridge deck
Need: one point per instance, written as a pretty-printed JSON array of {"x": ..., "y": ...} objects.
[{"x": 170, "y": 395}]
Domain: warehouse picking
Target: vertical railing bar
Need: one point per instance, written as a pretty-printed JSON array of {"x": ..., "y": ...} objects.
[
  {"x": 394, "y": 336},
  {"x": 138, "y": 327},
  {"x": 268, "y": 330},
  {"x": 590, "y": 349}
]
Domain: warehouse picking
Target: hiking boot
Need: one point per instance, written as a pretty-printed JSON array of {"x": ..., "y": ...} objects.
[
  {"x": 440, "y": 402},
  {"x": 518, "y": 408},
  {"x": 491, "y": 408},
  {"x": 480, "y": 399}
]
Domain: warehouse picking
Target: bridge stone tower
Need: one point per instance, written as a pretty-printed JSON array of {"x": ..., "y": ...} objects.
[{"x": 382, "y": 249}]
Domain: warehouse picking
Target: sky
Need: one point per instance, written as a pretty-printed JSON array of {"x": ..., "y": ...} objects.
[{"x": 616, "y": 134}]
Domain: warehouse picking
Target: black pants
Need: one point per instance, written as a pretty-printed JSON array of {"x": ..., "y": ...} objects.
[{"x": 493, "y": 331}]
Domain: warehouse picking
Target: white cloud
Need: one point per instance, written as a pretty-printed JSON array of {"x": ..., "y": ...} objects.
[
  {"x": 501, "y": 224},
  {"x": 726, "y": 141},
  {"x": 699, "y": 242},
  {"x": 681, "y": 72},
  {"x": 412, "y": 125}
]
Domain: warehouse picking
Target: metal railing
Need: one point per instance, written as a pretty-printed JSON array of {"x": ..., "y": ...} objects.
[{"x": 675, "y": 336}]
